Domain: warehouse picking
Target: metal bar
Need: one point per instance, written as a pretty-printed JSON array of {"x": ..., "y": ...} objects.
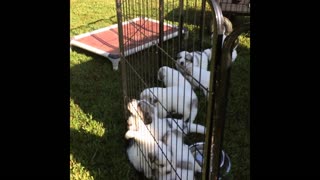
[
  {"x": 181, "y": 19},
  {"x": 216, "y": 57},
  {"x": 223, "y": 81},
  {"x": 161, "y": 34},
  {"x": 122, "y": 61},
  {"x": 202, "y": 20}
]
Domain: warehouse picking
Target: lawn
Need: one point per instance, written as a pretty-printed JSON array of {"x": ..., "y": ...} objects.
[{"x": 97, "y": 121}]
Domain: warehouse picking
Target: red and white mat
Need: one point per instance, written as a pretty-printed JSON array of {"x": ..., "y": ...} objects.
[{"x": 138, "y": 34}]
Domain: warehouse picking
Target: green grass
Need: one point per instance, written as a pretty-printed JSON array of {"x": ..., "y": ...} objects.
[{"x": 97, "y": 120}]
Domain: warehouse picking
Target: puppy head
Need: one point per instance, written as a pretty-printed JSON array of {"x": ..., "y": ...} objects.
[
  {"x": 148, "y": 96},
  {"x": 141, "y": 110},
  {"x": 146, "y": 111},
  {"x": 183, "y": 58}
]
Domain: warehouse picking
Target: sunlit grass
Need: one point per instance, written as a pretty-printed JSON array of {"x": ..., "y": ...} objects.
[{"x": 97, "y": 124}]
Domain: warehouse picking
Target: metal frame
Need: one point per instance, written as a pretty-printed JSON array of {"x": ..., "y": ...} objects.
[{"x": 219, "y": 80}]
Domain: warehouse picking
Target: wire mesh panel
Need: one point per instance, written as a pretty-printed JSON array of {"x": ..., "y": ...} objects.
[
  {"x": 240, "y": 7},
  {"x": 169, "y": 86}
]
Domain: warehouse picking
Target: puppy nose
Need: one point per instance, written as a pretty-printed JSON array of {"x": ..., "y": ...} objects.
[{"x": 181, "y": 63}]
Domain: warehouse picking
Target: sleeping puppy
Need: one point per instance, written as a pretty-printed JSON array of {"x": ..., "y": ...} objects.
[
  {"x": 164, "y": 160},
  {"x": 148, "y": 158},
  {"x": 196, "y": 59},
  {"x": 172, "y": 77},
  {"x": 174, "y": 100},
  {"x": 145, "y": 153},
  {"x": 199, "y": 76},
  {"x": 156, "y": 159},
  {"x": 158, "y": 127}
]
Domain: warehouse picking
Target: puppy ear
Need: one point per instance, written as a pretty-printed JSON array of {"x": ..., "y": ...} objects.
[
  {"x": 132, "y": 106},
  {"x": 189, "y": 57},
  {"x": 130, "y": 134},
  {"x": 147, "y": 118}
]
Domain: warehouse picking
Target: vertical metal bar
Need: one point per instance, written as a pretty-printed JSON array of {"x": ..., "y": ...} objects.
[
  {"x": 223, "y": 81},
  {"x": 218, "y": 108},
  {"x": 216, "y": 58},
  {"x": 202, "y": 20},
  {"x": 181, "y": 19},
  {"x": 161, "y": 34},
  {"x": 210, "y": 142},
  {"x": 122, "y": 61}
]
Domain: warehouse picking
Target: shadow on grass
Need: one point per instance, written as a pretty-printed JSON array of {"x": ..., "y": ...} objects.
[
  {"x": 92, "y": 25},
  {"x": 96, "y": 88},
  {"x": 191, "y": 16}
]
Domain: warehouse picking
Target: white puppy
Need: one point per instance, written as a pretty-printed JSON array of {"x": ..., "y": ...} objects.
[
  {"x": 172, "y": 100},
  {"x": 158, "y": 127},
  {"x": 171, "y": 158},
  {"x": 196, "y": 59},
  {"x": 150, "y": 157},
  {"x": 172, "y": 77},
  {"x": 146, "y": 154},
  {"x": 199, "y": 78}
]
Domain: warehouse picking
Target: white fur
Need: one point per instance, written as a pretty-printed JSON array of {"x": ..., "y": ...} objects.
[
  {"x": 146, "y": 154},
  {"x": 172, "y": 77},
  {"x": 147, "y": 157},
  {"x": 180, "y": 151},
  {"x": 160, "y": 126},
  {"x": 234, "y": 54},
  {"x": 165, "y": 160},
  {"x": 195, "y": 58},
  {"x": 199, "y": 75},
  {"x": 172, "y": 99}
]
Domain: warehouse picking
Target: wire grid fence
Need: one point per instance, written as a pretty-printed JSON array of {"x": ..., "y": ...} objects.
[
  {"x": 188, "y": 23},
  {"x": 239, "y": 7}
]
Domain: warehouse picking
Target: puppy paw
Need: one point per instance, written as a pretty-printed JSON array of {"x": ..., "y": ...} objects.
[
  {"x": 129, "y": 134},
  {"x": 132, "y": 123},
  {"x": 133, "y": 107}
]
